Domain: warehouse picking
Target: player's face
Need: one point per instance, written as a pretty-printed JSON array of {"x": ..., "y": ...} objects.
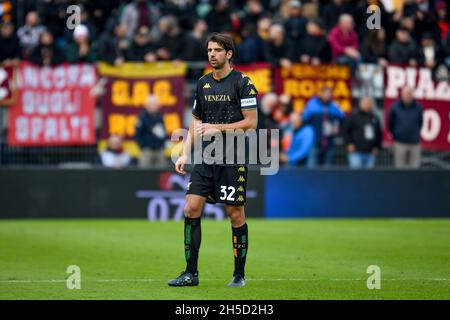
[{"x": 217, "y": 56}]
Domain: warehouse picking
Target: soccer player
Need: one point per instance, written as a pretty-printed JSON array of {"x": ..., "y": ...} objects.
[{"x": 225, "y": 100}]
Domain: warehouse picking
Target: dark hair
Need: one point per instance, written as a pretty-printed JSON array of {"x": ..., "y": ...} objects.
[{"x": 224, "y": 40}]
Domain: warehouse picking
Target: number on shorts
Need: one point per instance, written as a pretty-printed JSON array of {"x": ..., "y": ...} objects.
[{"x": 224, "y": 195}]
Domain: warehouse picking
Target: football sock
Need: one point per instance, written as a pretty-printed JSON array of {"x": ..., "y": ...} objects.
[
  {"x": 240, "y": 248},
  {"x": 192, "y": 239}
]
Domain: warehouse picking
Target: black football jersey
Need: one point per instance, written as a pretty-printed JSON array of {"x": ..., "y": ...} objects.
[{"x": 222, "y": 101}]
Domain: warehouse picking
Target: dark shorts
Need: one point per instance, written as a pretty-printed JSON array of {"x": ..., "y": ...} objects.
[{"x": 219, "y": 184}]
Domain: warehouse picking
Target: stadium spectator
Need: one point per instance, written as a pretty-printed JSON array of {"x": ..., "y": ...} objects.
[
  {"x": 298, "y": 141},
  {"x": 332, "y": 10},
  {"x": 313, "y": 48},
  {"x": 30, "y": 33},
  {"x": 430, "y": 54},
  {"x": 374, "y": 48},
  {"x": 269, "y": 103},
  {"x": 219, "y": 18},
  {"x": 446, "y": 49},
  {"x": 252, "y": 47},
  {"x": 114, "y": 156},
  {"x": 171, "y": 44},
  {"x": 295, "y": 26},
  {"x": 363, "y": 135},
  {"x": 195, "y": 51},
  {"x": 46, "y": 53},
  {"x": 53, "y": 15},
  {"x": 142, "y": 49},
  {"x": 184, "y": 10},
  {"x": 139, "y": 13},
  {"x": 80, "y": 48},
  {"x": 404, "y": 123},
  {"x": 253, "y": 12},
  {"x": 344, "y": 42},
  {"x": 9, "y": 43},
  {"x": 403, "y": 50},
  {"x": 151, "y": 134},
  {"x": 113, "y": 44},
  {"x": 278, "y": 49},
  {"x": 326, "y": 118},
  {"x": 443, "y": 22},
  {"x": 282, "y": 114}
]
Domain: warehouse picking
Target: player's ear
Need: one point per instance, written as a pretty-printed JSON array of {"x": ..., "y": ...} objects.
[{"x": 229, "y": 54}]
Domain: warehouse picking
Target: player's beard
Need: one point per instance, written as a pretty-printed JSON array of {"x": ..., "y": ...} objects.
[{"x": 219, "y": 65}]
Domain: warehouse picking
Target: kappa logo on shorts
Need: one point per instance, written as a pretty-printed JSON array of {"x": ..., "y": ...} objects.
[
  {"x": 240, "y": 189},
  {"x": 207, "y": 86},
  {"x": 240, "y": 198},
  {"x": 241, "y": 179},
  {"x": 241, "y": 169}
]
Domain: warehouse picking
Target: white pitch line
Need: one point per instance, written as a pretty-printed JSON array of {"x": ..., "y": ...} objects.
[{"x": 249, "y": 279}]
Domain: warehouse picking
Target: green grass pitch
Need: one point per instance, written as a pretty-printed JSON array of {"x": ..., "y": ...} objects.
[{"x": 287, "y": 259}]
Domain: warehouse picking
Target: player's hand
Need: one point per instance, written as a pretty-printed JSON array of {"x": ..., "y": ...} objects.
[
  {"x": 179, "y": 165},
  {"x": 205, "y": 129}
]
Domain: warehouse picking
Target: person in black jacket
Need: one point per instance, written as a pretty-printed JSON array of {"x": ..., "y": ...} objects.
[
  {"x": 278, "y": 48},
  {"x": 46, "y": 53},
  {"x": 151, "y": 134},
  {"x": 405, "y": 122},
  {"x": 363, "y": 135},
  {"x": 313, "y": 47},
  {"x": 9, "y": 43}
]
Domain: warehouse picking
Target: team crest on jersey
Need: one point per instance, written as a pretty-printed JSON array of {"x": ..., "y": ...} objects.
[{"x": 207, "y": 86}]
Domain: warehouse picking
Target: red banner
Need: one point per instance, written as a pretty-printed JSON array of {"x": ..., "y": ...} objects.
[
  {"x": 433, "y": 96},
  {"x": 127, "y": 89},
  {"x": 54, "y": 106},
  {"x": 302, "y": 82},
  {"x": 8, "y": 93}
]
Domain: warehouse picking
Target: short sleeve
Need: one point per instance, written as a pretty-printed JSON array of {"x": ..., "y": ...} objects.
[
  {"x": 248, "y": 94},
  {"x": 197, "y": 104}
]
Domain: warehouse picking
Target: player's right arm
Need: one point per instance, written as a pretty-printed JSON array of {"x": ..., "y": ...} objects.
[
  {"x": 196, "y": 122},
  {"x": 179, "y": 165}
]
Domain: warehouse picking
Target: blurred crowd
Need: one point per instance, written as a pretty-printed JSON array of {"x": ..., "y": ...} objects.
[{"x": 278, "y": 31}]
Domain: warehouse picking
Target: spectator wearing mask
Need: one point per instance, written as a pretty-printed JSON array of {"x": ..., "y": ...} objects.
[
  {"x": 115, "y": 156},
  {"x": 403, "y": 50},
  {"x": 46, "y": 53},
  {"x": 297, "y": 142},
  {"x": 9, "y": 43},
  {"x": 430, "y": 53},
  {"x": 404, "y": 123},
  {"x": 326, "y": 118},
  {"x": 142, "y": 49},
  {"x": 151, "y": 134},
  {"x": 80, "y": 49},
  {"x": 344, "y": 42},
  {"x": 313, "y": 48},
  {"x": 30, "y": 33},
  {"x": 277, "y": 49},
  {"x": 363, "y": 135}
]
